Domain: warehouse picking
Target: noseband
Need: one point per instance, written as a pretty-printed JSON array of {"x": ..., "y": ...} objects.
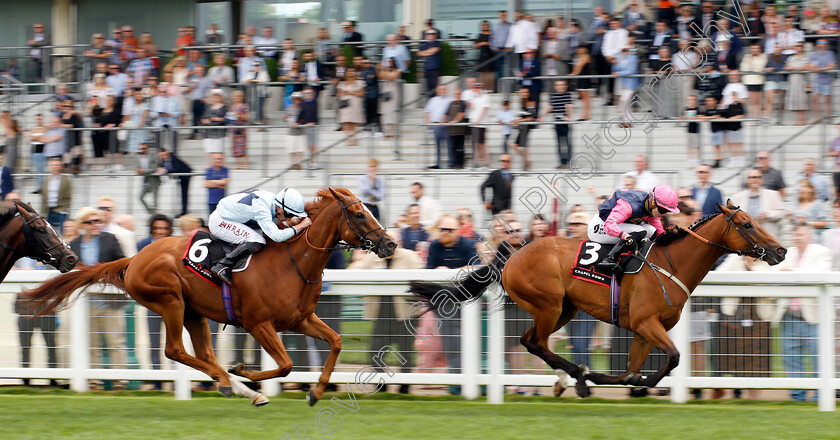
[
  {"x": 756, "y": 251},
  {"x": 30, "y": 249}
]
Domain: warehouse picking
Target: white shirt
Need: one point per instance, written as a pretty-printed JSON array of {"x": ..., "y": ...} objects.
[
  {"x": 125, "y": 238},
  {"x": 739, "y": 89},
  {"x": 789, "y": 39},
  {"x": 523, "y": 35},
  {"x": 429, "y": 210},
  {"x": 437, "y": 108},
  {"x": 467, "y": 96},
  {"x": 53, "y": 187},
  {"x": 286, "y": 60},
  {"x": 614, "y": 41},
  {"x": 479, "y": 106},
  {"x": 645, "y": 181},
  {"x": 220, "y": 74},
  {"x": 265, "y": 51}
]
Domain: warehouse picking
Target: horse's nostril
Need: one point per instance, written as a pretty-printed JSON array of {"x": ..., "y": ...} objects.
[{"x": 781, "y": 251}]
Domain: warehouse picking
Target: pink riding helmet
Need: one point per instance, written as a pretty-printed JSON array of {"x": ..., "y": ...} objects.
[{"x": 665, "y": 197}]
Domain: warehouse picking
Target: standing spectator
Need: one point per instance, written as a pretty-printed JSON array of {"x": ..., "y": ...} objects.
[
  {"x": 324, "y": 49},
  {"x": 436, "y": 113},
  {"x": 14, "y": 135},
  {"x": 734, "y": 139},
  {"x": 554, "y": 50},
  {"x": 457, "y": 133},
  {"x": 292, "y": 77},
  {"x": 450, "y": 251},
  {"x": 140, "y": 68},
  {"x": 797, "y": 317},
  {"x": 185, "y": 39},
  {"x": 116, "y": 80},
  {"x": 661, "y": 38},
  {"x": 160, "y": 226},
  {"x": 626, "y": 63},
  {"x": 582, "y": 65},
  {"x": 99, "y": 92},
  {"x": 429, "y": 207},
  {"x": 313, "y": 72},
  {"x": 560, "y": 106},
  {"x": 136, "y": 115},
  {"x": 755, "y": 61},
  {"x": 98, "y": 52},
  {"x": 430, "y": 51},
  {"x": 397, "y": 52},
  {"x": 7, "y": 184},
  {"x": 390, "y": 75},
  {"x": 214, "y": 116},
  {"x": 822, "y": 60},
  {"x": 528, "y": 113},
  {"x": 531, "y": 69},
  {"x": 212, "y": 36},
  {"x": 216, "y": 180},
  {"x": 505, "y": 117},
  {"x": 372, "y": 188},
  {"x": 150, "y": 48},
  {"x": 645, "y": 179},
  {"x": 164, "y": 112},
  {"x": 40, "y": 38},
  {"x": 351, "y": 91},
  {"x": 691, "y": 112},
  {"x": 308, "y": 119},
  {"x": 267, "y": 39},
  {"x": 371, "y": 80},
  {"x": 523, "y": 36},
  {"x": 220, "y": 72},
  {"x": 55, "y": 144},
  {"x": 147, "y": 166},
  {"x": 27, "y": 323},
  {"x": 238, "y": 115},
  {"x": 56, "y": 194},
  {"x": 819, "y": 183},
  {"x": 115, "y": 45},
  {"x": 790, "y": 37},
  {"x": 498, "y": 43},
  {"x": 170, "y": 163},
  {"x": 37, "y": 134},
  {"x": 107, "y": 320},
  {"x": 251, "y": 71},
  {"x": 704, "y": 193},
  {"x": 296, "y": 140},
  {"x": 430, "y": 26},
  {"x": 130, "y": 44},
  {"x": 479, "y": 105},
  {"x": 765, "y": 205},
  {"x": 351, "y": 36},
  {"x": 666, "y": 107},
  {"x": 107, "y": 208},
  {"x": 713, "y": 113},
  {"x": 595, "y": 33},
  {"x": 72, "y": 119},
  {"x": 413, "y": 233},
  {"x": 771, "y": 177},
  {"x": 796, "y": 98},
  {"x": 198, "y": 90},
  {"x": 501, "y": 182},
  {"x": 484, "y": 65},
  {"x": 613, "y": 49}
]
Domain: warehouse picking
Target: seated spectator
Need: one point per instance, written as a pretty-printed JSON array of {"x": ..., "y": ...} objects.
[
  {"x": 818, "y": 182},
  {"x": 188, "y": 224},
  {"x": 765, "y": 205},
  {"x": 414, "y": 232},
  {"x": 808, "y": 210},
  {"x": 308, "y": 120}
]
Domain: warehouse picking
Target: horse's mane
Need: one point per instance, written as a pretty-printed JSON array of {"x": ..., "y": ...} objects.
[
  {"x": 323, "y": 198},
  {"x": 8, "y": 211},
  {"x": 671, "y": 236}
]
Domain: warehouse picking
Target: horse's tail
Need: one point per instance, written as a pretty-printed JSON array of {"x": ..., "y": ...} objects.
[
  {"x": 52, "y": 293},
  {"x": 466, "y": 289}
]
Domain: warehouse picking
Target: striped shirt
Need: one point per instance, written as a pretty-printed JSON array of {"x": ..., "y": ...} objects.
[{"x": 559, "y": 101}]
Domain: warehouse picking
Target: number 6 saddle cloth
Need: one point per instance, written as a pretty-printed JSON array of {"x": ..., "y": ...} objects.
[
  {"x": 591, "y": 253},
  {"x": 203, "y": 251}
]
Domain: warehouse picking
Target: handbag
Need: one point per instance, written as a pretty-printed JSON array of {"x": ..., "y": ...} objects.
[{"x": 343, "y": 103}]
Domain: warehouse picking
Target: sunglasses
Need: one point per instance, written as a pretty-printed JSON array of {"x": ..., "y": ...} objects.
[
  {"x": 504, "y": 160},
  {"x": 91, "y": 222},
  {"x": 514, "y": 231},
  {"x": 447, "y": 230},
  {"x": 105, "y": 208},
  {"x": 753, "y": 177}
]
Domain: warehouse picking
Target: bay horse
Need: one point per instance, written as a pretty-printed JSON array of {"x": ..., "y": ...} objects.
[
  {"x": 538, "y": 278},
  {"x": 277, "y": 292},
  {"x": 31, "y": 237}
]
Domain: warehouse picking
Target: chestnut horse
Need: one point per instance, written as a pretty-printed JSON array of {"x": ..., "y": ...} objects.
[
  {"x": 278, "y": 292},
  {"x": 31, "y": 237},
  {"x": 538, "y": 278}
]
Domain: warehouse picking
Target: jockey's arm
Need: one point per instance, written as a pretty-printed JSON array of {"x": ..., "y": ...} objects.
[
  {"x": 656, "y": 222},
  {"x": 266, "y": 222},
  {"x": 620, "y": 213}
]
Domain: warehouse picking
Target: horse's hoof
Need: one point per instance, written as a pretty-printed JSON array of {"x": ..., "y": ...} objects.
[
  {"x": 236, "y": 369},
  {"x": 259, "y": 400},
  {"x": 310, "y": 398},
  {"x": 226, "y": 391},
  {"x": 581, "y": 389},
  {"x": 559, "y": 387}
]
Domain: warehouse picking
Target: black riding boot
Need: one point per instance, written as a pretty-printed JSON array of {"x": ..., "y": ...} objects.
[
  {"x": 611, "y": 261},
  {"x": 224, "y": 267}
]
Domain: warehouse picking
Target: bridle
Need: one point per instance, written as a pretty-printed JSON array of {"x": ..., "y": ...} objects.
[
  {"x": 365, "y": 243},
  {"x": 30, "y": 249},
  {"x": 756, "y": 251}
]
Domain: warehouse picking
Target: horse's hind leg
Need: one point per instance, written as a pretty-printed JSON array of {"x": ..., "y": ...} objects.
[
  {"x": 314, "y": 327},
  {"x": 201, "y": 338},
  {"x": 535, "y": 340}
]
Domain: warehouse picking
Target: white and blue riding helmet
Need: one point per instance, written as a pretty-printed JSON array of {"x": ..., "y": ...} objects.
[{"x": 290, "y": 201}]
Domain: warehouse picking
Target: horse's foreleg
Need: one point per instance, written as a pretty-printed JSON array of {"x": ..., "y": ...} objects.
[
  {"x": 653, "y": 331},
  {"x": 314, "y": 327},
  {"x": 639, "y": 351},
  {"x": 267, "y": 337}
]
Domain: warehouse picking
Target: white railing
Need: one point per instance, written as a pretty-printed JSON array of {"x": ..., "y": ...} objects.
[{"x": 818, "y": 286}]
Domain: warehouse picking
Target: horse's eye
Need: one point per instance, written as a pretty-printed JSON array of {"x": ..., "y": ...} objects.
[
  {"x": 747, "y": 225},
  {"x": 42, "y": 230},
  {"x": 360, "y": 215}
]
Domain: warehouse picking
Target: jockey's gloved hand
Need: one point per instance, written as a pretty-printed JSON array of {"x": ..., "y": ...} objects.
[{"x": 633, "y": 240}]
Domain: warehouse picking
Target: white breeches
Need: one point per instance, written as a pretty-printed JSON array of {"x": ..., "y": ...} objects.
[
  {"x": 598, "y": 234},
  {"x": 233, "y": 232}
]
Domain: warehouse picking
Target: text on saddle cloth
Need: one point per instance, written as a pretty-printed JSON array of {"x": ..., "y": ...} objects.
[{"x": 203, "y": 251}]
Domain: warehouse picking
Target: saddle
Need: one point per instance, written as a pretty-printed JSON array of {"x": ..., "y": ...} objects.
[
  {"x": 203, "y": 251},
  {"x": 590, "y": 253}
]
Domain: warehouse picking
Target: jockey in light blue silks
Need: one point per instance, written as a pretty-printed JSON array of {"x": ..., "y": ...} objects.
[
  {"x": 630, "y": 216},
  {"x": 243, "y": 218}
]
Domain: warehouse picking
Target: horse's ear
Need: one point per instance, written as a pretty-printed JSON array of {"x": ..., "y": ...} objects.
[
  {"x": 724, "y": 209},
  {"x": 729, "y": 204},
  {"x": 335, "y": 194}
]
